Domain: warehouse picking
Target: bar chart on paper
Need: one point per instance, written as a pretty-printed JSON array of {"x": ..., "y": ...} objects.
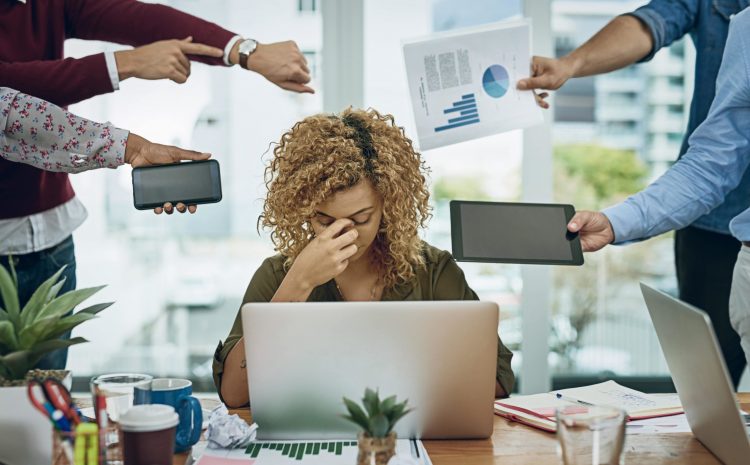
[
  {"x": 462, "y": 83},
  {"x": 304, "y": 452},
  {"x": 461, "y": 113}
]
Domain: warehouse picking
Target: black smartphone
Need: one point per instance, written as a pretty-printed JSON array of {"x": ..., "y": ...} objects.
[
  {"x": 192, "y": 182},
  {"x": 504, "y": 232}
]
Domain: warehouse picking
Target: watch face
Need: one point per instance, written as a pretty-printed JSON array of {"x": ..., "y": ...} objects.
[{"x": 248, "y": 46}]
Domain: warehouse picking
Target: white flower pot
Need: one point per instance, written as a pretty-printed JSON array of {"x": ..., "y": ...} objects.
[{"x": 25, "y": 433}]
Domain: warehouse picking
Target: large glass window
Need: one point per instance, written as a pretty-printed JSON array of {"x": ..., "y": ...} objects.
[
  {"x": 484, "y": 169},
  {"x": 178, "y": 280},
  {"x": 612, "y": 135}
]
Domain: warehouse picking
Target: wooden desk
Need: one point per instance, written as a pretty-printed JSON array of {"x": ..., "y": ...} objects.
[{"x": 515, "y": 444}]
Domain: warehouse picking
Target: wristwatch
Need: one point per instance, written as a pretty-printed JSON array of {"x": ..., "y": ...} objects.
[{"x": 246, "y": 48}]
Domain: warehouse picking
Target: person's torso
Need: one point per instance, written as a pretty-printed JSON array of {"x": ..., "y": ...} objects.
[
  {"x": 709, "y": 36},
  {"x": 422, "y": 287},
  {"x": 31, "y": 31}
]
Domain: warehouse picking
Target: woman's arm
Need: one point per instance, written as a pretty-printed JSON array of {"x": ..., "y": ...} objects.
[
  {"x": 229, "y": 370},
  {"x": 43, "y": 135},
  {"x": 234, "y": 387}
]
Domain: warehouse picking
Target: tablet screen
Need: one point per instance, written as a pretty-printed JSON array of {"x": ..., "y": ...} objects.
[{"x": 513, "y": 233}]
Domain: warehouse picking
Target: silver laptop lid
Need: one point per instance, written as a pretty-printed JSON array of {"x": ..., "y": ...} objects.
[
  {"x": 700, "y": 375},
  {"x": 302, "y": 358}
]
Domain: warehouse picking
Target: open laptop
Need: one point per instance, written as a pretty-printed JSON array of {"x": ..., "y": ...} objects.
[
  {"x": 700, "y": 376},
  {"x": 302, "y": 358}
]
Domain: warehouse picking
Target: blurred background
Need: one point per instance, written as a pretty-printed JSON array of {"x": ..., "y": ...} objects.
[{"x": 178, "y": 281}]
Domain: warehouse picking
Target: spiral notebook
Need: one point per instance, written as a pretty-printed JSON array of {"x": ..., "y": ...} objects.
[{"x": 538, "y": 410}]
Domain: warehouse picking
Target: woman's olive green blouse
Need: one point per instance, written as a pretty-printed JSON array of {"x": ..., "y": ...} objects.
[{"x": 439, "y": 279}]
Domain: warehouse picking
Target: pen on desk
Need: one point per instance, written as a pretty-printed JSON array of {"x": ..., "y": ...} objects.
[
  {"x": 416, "y": 447},
  {"x": 100, "y": 412},
  {"x": 572, "y": 400}
]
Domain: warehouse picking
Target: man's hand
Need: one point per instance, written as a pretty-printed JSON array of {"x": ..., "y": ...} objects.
[
  {"x": 594, "y": 229},
  {"x": 141, "y": 152},
  {"x": 165, "y": 59},
  {"x": 281, "y": 63},
  {"x": 548, "y": 74}
]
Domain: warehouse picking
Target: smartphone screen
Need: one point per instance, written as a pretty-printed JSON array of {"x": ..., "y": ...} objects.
[{"x": 195, "y": 182}]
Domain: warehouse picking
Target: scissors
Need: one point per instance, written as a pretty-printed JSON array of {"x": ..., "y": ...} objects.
[{"x": 55, "y": 402}]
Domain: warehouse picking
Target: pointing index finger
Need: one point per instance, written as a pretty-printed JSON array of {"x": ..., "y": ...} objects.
[{"x": 191, "y": 48}]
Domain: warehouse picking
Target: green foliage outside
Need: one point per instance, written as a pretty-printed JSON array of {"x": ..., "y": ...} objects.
[
  {"x": 593, "y": 177},
  {"x": 459, "y": 187},
  {"x": 596, "y": 176}
]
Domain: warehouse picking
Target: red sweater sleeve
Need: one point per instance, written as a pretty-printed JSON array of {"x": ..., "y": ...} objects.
[
  {"x": 65, "y": 82},
  {"x": 134, "y": 23}
]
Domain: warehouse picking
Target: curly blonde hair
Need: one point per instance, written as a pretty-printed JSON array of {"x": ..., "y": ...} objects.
[{"x": 324, "y": 154}]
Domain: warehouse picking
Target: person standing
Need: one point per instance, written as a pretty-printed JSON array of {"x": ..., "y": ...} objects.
[
  {"x": 718, "y": 155},
  {"x": 705, "y": 251},
  {"x": 40, "y": 221}
]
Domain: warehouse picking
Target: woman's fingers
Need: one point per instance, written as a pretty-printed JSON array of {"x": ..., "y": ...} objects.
[
  {"x": 345, "y": 238},
  {"x": 335, "y": 228},
  {"x": 347, "y": 252}
]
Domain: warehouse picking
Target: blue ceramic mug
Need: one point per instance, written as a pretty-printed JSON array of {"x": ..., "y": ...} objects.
[{"x": 177, "y": 393}]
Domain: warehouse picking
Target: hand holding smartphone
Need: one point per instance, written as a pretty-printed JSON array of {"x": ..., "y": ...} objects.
[{"x": 191, "y": 183}]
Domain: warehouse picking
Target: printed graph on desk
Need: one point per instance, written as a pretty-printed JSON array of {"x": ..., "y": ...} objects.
[
  {"x": 298, "y": 450},
  {"x": 304, "y": 452},
  {"x": 461, "y": 113}
]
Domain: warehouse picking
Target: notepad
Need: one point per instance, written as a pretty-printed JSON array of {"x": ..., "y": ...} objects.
[{"x": 538, "y": 410}]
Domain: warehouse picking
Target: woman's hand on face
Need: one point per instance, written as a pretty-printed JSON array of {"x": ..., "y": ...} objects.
[{"x": 326, "y": 256}]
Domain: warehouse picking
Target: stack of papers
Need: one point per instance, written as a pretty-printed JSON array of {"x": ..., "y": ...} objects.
[
  {"x": 660, "y": 425},
  {"x": 538, "y": 410},
  {"x": 335, "y": 452}
]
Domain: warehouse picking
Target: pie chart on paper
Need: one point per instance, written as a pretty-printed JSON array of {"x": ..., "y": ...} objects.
[{"x": 496, "y": 81}]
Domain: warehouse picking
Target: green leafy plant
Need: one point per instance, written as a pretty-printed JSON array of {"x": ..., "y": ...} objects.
[
  {"x": 378, "y": 418},
  {"x": 28, "y": 333}
]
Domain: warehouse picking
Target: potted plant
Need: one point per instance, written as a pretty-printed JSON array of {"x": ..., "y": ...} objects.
[
  {"x": 27, "y": 334},
  {"x": 377, "y": 441}
]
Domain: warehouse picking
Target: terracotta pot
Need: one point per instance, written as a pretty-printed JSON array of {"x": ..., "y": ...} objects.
[{"x": 376, "y": 451}]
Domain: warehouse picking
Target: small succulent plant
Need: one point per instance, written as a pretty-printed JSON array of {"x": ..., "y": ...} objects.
[
  {"x": 27, "y": 333},
  {"x": 378, "y": 418}
]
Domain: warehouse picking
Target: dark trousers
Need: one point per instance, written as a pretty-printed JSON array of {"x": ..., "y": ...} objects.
[
  {"x": 705, "y": 263},
  {"x": 35, "y": 268}
]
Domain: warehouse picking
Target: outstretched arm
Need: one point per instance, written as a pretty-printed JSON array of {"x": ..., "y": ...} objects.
[
  {"x": 714, "y": 164},
  {"x": 625, "y": 40},
  {"x": 43, "y": 135}
]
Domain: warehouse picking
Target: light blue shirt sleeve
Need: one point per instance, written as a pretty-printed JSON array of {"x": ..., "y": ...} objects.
[{"x": 714, "y": 164}]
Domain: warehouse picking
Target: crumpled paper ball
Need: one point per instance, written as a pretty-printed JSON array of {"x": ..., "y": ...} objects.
[{"x": 228, "y": 431}]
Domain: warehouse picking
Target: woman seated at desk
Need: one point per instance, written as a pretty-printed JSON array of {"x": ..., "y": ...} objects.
[{"x": 346, "y": 198}]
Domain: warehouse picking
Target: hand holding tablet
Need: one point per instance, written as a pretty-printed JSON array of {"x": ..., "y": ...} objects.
[{"x": 525, "y": 233}]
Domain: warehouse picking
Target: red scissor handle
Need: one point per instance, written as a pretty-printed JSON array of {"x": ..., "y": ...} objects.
[{"x": 60, "y": 398}]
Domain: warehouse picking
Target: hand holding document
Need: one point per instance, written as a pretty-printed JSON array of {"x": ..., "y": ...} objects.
[{"x": 463, "y": 83}]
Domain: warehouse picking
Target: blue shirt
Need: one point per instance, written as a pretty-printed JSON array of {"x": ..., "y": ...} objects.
[
  {"x": 707, "y": 22},
  {"x": 718, "y": 154}
]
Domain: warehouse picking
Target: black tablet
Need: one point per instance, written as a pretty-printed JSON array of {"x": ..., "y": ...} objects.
[{"x": 527, "y": 233}]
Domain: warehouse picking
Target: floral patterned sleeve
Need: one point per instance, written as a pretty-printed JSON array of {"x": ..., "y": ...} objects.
[{"x": 41, "y": 134}]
